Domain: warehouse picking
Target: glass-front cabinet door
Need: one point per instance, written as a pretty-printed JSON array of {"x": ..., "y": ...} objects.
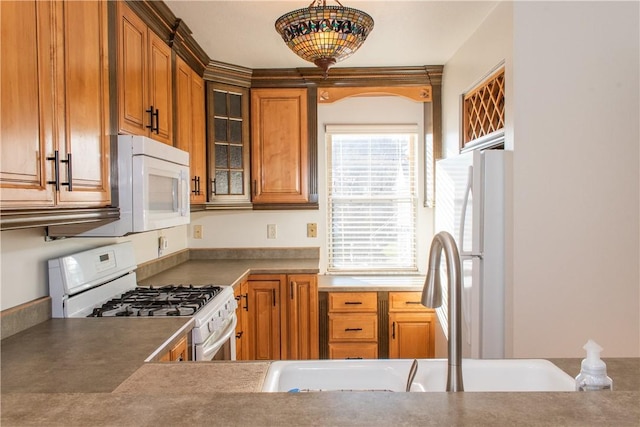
[{"x": 228, "y": 145}]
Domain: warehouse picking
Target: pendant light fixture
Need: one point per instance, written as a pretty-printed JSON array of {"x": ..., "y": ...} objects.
[{"x": 324, "y": 34}]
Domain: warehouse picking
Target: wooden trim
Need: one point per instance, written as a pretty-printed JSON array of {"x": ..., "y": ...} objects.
[
  {"x": 348, "y": 77},
  {"x": 327, "y": 95},
  {"x": 221, "y": 72},
  {"x": 173, "y": 31}
]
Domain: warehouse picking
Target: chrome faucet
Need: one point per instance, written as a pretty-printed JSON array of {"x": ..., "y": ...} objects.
[{"x": 432, "y": 298}]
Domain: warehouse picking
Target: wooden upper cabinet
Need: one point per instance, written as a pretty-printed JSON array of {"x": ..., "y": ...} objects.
[
  {"x": 228, "y": 143},
  {"x": 144, "y": 79},
  {"x": 55, "y": 104},
  {"x": 26, "y": 108},
  {"x": 84, "y": 133},
  {"x": 279, "y": 146},
  {"x": 190, "y": 126}
]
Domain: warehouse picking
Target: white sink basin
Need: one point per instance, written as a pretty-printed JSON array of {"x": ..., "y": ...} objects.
[{"x": 391, "y": 375}]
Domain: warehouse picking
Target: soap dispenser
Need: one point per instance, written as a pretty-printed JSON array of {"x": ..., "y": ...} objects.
[{"x": 593, "y": 372}]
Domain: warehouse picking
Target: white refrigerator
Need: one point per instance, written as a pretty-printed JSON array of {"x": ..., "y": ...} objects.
[{"x": 473, "y": 203}]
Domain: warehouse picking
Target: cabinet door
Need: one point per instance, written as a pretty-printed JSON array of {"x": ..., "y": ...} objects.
[
  {"x": 160, "y": 88},
  {"x": 264, "y": 319},
  {"x": 198, "y": 152},
  {"x": 302, "y": 317},
  {"x": 83, "y": 113},
  {"x": 279, "y": 146},
  {"x": 411, "y": 335},
  {"x": 228, "y": 143},
  {"x": 190, "y": 125},
  {"x": 132, "y": 73},
  {"x": 26, "y": 107}
]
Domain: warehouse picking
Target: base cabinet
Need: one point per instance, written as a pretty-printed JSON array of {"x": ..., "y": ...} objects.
[
  {"x": 353, "y": 325},
  {"x": 279, "y": 317},
  {"x": 178, "y": 353},
  {"x": 411, "y": 327},
  {"x": 264, "y": 313}
]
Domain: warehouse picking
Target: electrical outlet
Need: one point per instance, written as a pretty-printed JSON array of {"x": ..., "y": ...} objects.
[
  {"x": 197, "y": 231},
  {"x": 312, "y": 229},
  {"x": 272, "y": 231},
  {"x": 163, "y": 243}
]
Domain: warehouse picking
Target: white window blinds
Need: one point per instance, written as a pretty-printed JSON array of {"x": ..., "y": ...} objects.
[{"x": 372, "y": 198}]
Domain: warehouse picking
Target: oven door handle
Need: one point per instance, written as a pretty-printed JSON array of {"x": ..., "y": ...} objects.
[{"x": 211, "y": 346}]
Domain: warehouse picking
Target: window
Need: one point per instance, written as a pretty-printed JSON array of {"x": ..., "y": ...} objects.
[{"x": 372, "y": 198}]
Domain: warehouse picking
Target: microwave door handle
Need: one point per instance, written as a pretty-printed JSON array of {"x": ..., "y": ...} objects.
[{"x": 184, "y": 194}]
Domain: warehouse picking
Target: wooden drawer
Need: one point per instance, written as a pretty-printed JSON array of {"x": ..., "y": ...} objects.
[
  {"x": 353, "y": 327},
  {"x": 407, "y": 301},
  {"x": 343, "y": 350},
  {"x": 351, "y": 302}
]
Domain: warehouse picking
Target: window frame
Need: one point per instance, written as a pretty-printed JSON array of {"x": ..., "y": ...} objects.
[{"x": 412, "y": 132}]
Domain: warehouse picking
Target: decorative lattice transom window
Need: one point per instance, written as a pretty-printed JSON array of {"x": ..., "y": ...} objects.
[{"x": 483, "y": 108}]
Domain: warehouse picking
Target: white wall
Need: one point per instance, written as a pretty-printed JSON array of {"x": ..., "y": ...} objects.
[
  {"x": 24, "y": 256},
  {"x": 576, "y": 183},
  {"x": 229, "y": 229},
  {"x": 572, "y": 120}
]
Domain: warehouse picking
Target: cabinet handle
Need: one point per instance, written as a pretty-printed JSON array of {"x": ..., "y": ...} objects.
[
  {"x": 352, "y": 329},
  {"x": 273, "y": 292},
  {"x": 350, "y": 358},
  {"x": 213, "y": 187},
  {"x": 412, "y": 302},
  {"x": 246, "y": 302},
  {"x": 69, "y": 182},
  {"x": 196, "y": 185},
  {"x": 352, "y": 302},
  {"x": 239, "y": 334},
  {"x": 156, "y": 129},
  {"x": 393, "y": 331},
  {"x": 150, "y": 111},
  {"x": 56, "y": 170}
]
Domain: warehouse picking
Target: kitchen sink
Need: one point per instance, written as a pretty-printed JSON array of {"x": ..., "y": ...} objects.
[{"x": 486, "y": 375}]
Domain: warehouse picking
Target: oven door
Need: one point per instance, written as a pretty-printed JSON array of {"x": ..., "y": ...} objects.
[{"x": 219, "y": 346}]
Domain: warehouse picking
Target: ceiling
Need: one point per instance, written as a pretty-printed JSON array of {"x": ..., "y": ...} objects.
[{"x": 406, "y": 33}]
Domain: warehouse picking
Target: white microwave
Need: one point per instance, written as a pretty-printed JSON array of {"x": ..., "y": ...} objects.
[{"x": 153, "y": 188}]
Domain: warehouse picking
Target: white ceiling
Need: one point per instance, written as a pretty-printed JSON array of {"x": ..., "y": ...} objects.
[{"x": 418, "y": 32}]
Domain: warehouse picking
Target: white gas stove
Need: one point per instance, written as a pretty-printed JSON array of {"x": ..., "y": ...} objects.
[{"x": 102, "y": 282}]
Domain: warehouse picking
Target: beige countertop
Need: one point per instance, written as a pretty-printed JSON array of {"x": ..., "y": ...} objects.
[
  {"x": 113, "y": 386},
  {"x": 83, "y": 355}
]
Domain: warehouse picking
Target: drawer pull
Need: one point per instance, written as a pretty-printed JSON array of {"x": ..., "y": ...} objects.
[
  {"x": 352, "y": 358},
  {"x": 352, "y": 302},
  {"x": 352, "y": 329},
  {"x": 413, "y": 302}
]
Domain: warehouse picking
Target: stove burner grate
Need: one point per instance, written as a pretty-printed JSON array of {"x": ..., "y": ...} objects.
[{"x": 170, "y": 300}]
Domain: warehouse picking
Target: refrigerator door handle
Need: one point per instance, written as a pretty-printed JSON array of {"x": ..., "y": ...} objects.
[
  {"x": 470, "y": 255},
  {"x": 463, "y": 217}
]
